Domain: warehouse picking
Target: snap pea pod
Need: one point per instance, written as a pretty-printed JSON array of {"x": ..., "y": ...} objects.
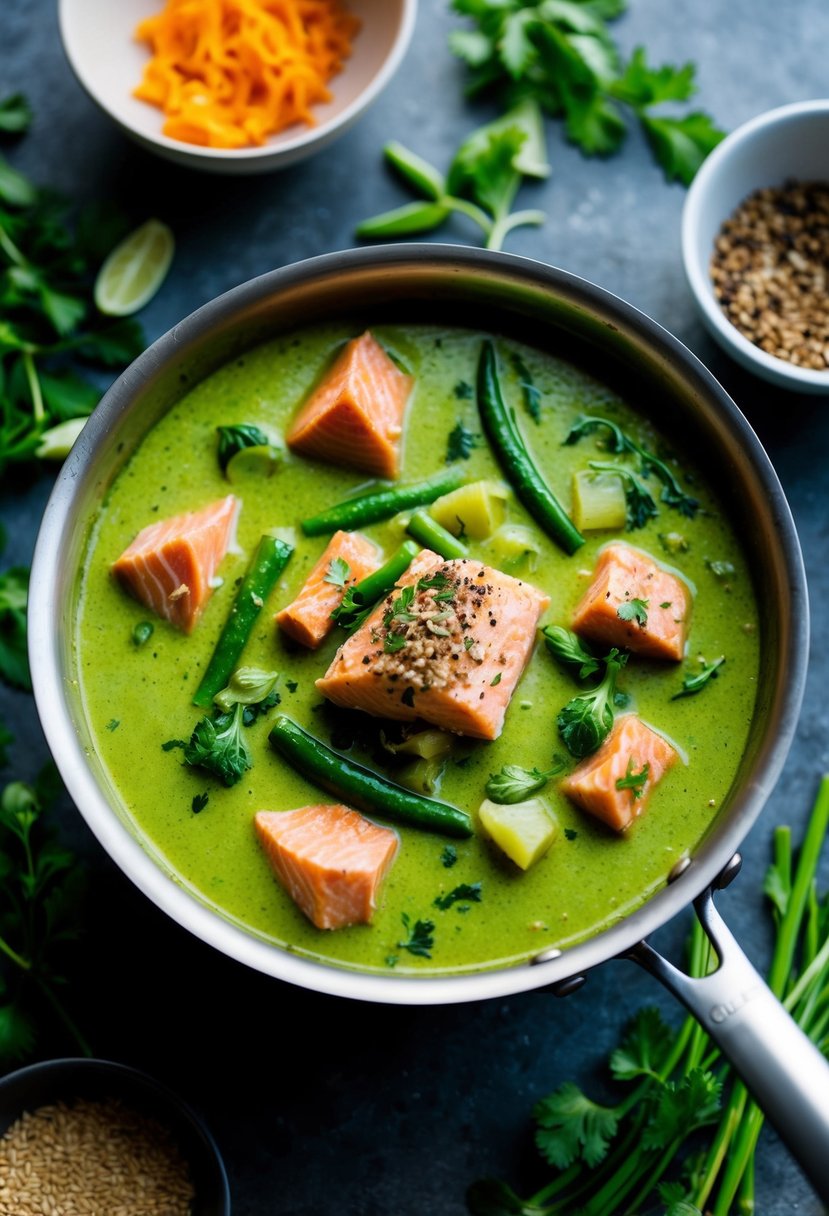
[
  {"x": 511, "y": 452},
  {"x": 431, "y": 534},
  {"x": 360, "y": 787},
  {"x": 268, "y": 562},
  {"x": 364, "y": 594},
  {"x": 382, "y": 504}
]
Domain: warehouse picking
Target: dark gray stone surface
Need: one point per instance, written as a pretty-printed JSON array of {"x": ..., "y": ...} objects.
[{"x": 320, "y": 1104}]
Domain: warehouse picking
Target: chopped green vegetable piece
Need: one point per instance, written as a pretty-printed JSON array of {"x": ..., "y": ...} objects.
[
  {"x": 113, "y": 724},
  {"x": 599, "y": 501},
  {"x": 619, "y": 443},
  {"x": 142, "y": 633},
  {"x": 721, "y": 570},
  {"x": 522, "y": 830},
  {"x": 199, "y": 802},
  {"x": 433, "y": 536},
  {"x": 371, "y": 507},
  {"x": 638, "y": 498},
  {"x": 449, "y": 856},
  {"x": 694, "y": 683},
  {"x": 477, "y": 509}
]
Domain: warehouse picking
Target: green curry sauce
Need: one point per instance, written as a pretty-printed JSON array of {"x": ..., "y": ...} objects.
[{"x": 137, "y": 698}]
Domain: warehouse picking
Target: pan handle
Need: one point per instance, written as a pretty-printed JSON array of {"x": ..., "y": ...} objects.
[{"x": 785, "y": 1072}]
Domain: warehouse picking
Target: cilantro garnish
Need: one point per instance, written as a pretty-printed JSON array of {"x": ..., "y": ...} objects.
[
  {"x": 514, "y": 783},
  {"x": 461, "y": 443},
  {"x": 199, "y": 802},
  {"x": 466, "y": 890},
  {"x": 449, "y": 856},
  {"x": 693, "y": 683},
  {"x": 464, "y": 391},
  {"x": 633, "y": 781},
  {"x": 421, "y": 939},
  {"x": 530, "y": 394},
  {"x": 113, "y": 724},
  {"x": 218, "y": 746},
  {"x": 496, "y": 679},
  {"x": 337, "y": 572},
  {"x": 634, "y": 610},
  {"x": 394, "y": 642}
]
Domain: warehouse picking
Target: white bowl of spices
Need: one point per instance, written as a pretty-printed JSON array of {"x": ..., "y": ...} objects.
[{"x": 755, "y": 244}]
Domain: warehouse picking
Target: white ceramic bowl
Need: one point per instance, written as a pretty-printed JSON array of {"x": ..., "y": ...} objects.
[
  {"x": 790, "y": 142},
  {"x": 98, "y": 40}
]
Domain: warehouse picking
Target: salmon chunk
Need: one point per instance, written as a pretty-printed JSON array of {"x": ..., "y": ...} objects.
[
  {"x": 330, "y": 860},
  {"x": 448, "y": 645},
  {"x": 355, "y": 415},
  {"x": 655, "y": 625},
  {"x": 349, "y": 557},
  {"x": 629, "y": 747},
  {"x": 171, "y": 565}
]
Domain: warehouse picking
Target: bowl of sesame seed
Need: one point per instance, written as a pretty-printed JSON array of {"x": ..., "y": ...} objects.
[
  {"x": 92, "y": 1136},
  {"x": 755, "y": 245}
]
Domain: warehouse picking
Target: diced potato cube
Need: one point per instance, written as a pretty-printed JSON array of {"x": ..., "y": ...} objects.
[
  {"x": 598, "y": 501},
  {"x": 513, "y": 546},
  {"x": 522, "y": 830},
  {"x": 475, "y": 510}
]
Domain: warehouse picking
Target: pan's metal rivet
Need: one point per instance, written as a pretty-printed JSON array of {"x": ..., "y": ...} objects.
[
  {"x": 680, "y": 868},
  {"x": 565, "y": 987},
  {"x": 546, "y": 956},
  {"x": 730, "y": 872}
]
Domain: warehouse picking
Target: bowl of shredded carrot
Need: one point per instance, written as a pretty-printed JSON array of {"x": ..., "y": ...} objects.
[{"x": 235, "y": 86}]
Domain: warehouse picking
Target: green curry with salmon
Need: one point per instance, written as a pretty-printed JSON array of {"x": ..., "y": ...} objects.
[{"x": 484, "y": 910}]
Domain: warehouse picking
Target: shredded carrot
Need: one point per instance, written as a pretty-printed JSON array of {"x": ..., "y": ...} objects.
[{"x": 229, "y": 73}]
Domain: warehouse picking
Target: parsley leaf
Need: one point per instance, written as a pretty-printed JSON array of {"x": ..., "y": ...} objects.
[
  {"x": 337, "y": 572},
  {"x": 421, "y": 939},
  {"x": 199, "y": 802},
  {"x": 514, "y": 783},
  {"x": 449, "y": 856},
  {"x": 218, "y": 746},
  {"x": 466, "y": 891},
  {"x": 14, "y": 660},
  {"x": 461, "y": 443},
  {"x": 694, "y": 683},
  {"x": 634, "y": 610},
  {"x": 635, "y": 782},
  {"x": 572, "y": 1127}
]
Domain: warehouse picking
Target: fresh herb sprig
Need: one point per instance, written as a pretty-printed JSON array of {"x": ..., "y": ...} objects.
[
  {"x": 619, "y": 443},
  {"x": 482, "y": 182},
  {"x": 39, "y": 918},
  {"x": 585, "y": 722},
  {"x": 513, "y": 783},
  {"x": 14, "y": 596},
  {"x": 50, "y": 325},
  {"x": 570, "y": 651},
  {"x": 694, "y": 683},
  {"x": 644, "y": 1153},
  {"x": 218, "y": 744},
  {"x": 561, "y": 54}
]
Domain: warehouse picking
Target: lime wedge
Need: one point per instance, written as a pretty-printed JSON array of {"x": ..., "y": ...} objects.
[
  {"x": 260, "y": 461},
  {"x": 134, "y": 270}
]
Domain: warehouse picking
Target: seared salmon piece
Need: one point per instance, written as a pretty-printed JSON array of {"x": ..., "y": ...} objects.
[
  {"x": 354, "y": 417},
  {"x": 171, "y": 565},
  {"x": 330, "y": 860},
  {"x": 308, "y": 619},
  {"x": 448, "y": 645},
  {"x": 624, "y": 574},
  {"x": 629, "y": 747}
]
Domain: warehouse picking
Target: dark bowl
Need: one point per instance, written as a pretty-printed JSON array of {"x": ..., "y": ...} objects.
[{"x": 66, "y": 1080}]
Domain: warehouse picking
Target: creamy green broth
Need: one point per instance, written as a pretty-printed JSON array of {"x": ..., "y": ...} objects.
[{"x": 139, "y": 697}]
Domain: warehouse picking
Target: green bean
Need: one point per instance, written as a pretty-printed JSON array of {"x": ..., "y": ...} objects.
[
  {"x": 382, "y": 503},
  {"x": 431, "y": 534},
  {"x": 358, "y": 600},
  {"x": 511, "y": 452},
  {"x": 360, "y": 787},
  {"x": 268, "y": 562}
]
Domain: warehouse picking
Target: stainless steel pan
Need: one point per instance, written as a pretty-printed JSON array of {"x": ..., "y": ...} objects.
[{"x": 549, "y": 307}]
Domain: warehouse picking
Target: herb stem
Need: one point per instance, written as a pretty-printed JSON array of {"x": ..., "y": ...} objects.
[
  {"x": 464, "y": 207},
  {"x": 10, "y": 249},
  {"x": 34, "y": 386},
  {"x": 23, "y": 963},
  {"x": 504, "y": 225},
  {"x": 816, "y": 829}
]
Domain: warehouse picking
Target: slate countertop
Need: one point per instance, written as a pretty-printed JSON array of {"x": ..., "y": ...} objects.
[{"x": 321, "y": 1104}]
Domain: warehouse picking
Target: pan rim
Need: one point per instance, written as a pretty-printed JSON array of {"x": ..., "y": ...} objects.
[{"x": 158, "y": 883}]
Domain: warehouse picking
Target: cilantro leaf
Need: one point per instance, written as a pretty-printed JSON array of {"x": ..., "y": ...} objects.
[
  {"x": 635, "y": 782},
  {"x": 14, "y": 660},
  {"x": 634, "y": 610},
  {"x": 681, "y": 144},
  {"x": 337, "y": 572},
  {"x": 15, "y": 114},
  {"x": 641, "y": 86},
  {"x": 449, "y": 856},
  {"x": 694, "y": 683},
  {"x": 530, "y": 394},
  {"x": 421, "y": 939},
  {"x": 199, "y": 802},
  {"x": 461, "y": 443},
  {"x": 682, "y": 1107},
  {"x": 466, "y": 891},
  {"x": 571, "y": 1127},
  {"x": 513, "y": 783},
  {"x": 645, "y": 1046},
  {"x": 218, "y": 746}
]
